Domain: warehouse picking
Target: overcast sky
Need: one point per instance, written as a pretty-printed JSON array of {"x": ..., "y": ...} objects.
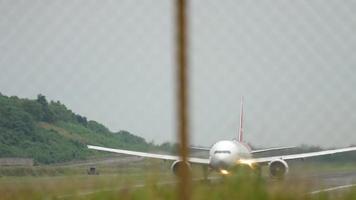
[{"x": 113, "y": 61}]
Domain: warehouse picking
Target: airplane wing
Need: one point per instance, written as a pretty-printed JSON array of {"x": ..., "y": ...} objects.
[
  {"x": 148, "y": 155},
  {"x": 272, "y": 149},
  {"x": 253, "y": 151},
  {"x": 265, "y": 160}
]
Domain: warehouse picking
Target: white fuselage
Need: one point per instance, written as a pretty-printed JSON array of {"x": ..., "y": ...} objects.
[{"x": 226, "y": 153}]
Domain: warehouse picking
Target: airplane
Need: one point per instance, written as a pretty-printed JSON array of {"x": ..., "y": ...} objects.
[{"x": 226, "y": 154}]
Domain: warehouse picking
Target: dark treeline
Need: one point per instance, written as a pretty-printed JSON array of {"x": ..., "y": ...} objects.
[{"x": 49, "y": 132}]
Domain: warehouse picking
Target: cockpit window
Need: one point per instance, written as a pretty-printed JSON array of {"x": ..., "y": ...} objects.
[{"x": 227, "y": 152}]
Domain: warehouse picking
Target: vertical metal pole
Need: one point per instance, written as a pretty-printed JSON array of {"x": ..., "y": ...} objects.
[{"x": 182, "y": 97}]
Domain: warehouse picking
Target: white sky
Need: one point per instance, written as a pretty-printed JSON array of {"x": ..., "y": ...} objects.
[{"x": 113, "y": 61}]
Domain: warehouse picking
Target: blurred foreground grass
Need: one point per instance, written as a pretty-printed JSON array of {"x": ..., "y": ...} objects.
[{"x": 153, "y": 180}]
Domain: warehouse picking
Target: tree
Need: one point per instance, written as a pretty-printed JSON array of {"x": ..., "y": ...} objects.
[
  {"x": 82, "y": 120},
  {"x": 42, "y": 100},
  {"x": 34, "y": 108},
  {"x": 48, "y": 115},
  {"x": 97, "y": 127}
]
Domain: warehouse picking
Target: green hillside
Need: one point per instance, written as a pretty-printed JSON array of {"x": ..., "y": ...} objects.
[{"x": 49, "y": 132}]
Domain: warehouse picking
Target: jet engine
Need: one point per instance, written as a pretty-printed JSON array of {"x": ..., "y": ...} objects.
[
  {"x": 176, "y": 166},
  {"x": 278, "y": 168}
]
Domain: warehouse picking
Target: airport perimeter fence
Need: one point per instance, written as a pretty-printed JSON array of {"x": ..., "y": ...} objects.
[{"x": 114, "y": 62}]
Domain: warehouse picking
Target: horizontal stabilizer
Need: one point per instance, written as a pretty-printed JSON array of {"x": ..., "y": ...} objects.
[
  {"x": 199, "y": 148},
  {"x": 272, "y": 149}
]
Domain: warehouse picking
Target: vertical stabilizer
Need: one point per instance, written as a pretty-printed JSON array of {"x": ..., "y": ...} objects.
[{"x": 241, "y": 129}]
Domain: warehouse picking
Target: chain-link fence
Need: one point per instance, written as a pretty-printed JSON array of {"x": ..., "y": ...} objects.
[{"x": 113, "y": 61}]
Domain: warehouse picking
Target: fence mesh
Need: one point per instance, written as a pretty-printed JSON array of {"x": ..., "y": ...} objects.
[{"x": 113, "y": 61}]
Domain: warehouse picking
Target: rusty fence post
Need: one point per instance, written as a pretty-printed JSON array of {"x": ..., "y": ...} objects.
[{"x": 182, "y": 96}]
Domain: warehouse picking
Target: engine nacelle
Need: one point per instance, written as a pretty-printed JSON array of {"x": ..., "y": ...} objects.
[
  {"x": 278, "y": 168},
  {"x": 176, "y": 166}
]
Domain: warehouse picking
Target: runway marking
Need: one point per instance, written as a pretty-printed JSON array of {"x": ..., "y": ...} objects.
[
  {"x": 85, "y": 193},
  {"x": 333, "y": 188},
  {"x": 140, "y": 185}
]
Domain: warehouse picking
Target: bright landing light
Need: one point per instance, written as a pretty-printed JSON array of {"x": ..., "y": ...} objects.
[{"x": 224, "y": 172}]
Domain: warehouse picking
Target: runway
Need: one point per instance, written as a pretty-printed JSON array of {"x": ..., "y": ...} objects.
[{"x": 335, "y": 182}]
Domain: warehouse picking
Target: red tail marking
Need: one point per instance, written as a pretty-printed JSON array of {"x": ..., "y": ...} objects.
[{"x": 241, "y": 130}]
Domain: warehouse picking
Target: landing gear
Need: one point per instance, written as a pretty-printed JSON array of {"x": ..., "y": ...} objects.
[
  {"x": 258, "y": 170},
  {"x": 205, "y": 173}
]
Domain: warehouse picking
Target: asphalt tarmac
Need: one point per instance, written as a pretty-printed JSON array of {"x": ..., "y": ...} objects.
[
  {"x": 332, "y": 181},
  {"x": 335, "y": 182},
  {"x": 325, "y": 181}
]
